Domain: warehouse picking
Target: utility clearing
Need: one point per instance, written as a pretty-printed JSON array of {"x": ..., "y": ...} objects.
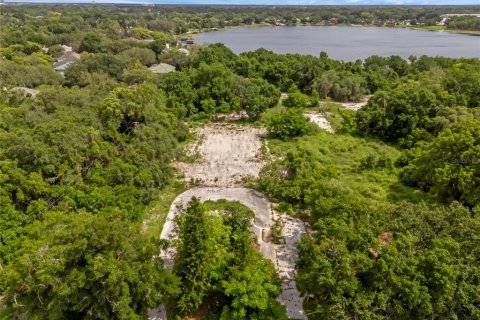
[
  {"x": 225, "y": 155},
  {"x": 321, "y": 121}
]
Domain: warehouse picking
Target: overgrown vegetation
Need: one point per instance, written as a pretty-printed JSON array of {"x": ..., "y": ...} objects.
[
  {"x": 393, "y": 196},
  {"x": 218, "y": 266},
  {"x": 382, "y": 249}
]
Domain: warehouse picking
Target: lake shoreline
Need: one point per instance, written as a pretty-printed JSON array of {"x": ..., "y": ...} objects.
[
  {"x": 263, "y": 25},
  {"x": 342, "y": 42}
]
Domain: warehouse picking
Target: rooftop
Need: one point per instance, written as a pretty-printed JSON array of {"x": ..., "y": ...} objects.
[
  {"x": 66, "y": 59},
  {"x": 162, "y": 68}
]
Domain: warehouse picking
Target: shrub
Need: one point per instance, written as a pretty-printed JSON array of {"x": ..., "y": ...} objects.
[{"x": 287, "y": 124}]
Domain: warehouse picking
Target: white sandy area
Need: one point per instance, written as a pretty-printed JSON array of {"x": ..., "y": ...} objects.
[
  {"x": 319, "y": 120},
  {"x": 355, "y": 105},
  {"x": 282, "y": 255},
  {"x": 227, "y": 154}
]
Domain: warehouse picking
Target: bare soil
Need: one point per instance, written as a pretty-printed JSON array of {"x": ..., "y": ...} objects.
[
  {"x": 226, "y": 154},
  {"x": 283, "y": 255},
  {"x": 319, "y": 120},
  {"x": 355, "y": 105}
]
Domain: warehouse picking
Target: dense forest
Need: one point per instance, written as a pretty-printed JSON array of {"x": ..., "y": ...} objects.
[{"x": 393, "y": 197}]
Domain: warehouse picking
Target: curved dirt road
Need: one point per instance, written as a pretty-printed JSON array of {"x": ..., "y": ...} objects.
[
  {"x": 282, "y": 255},
  {"x": 250, "y": 198}
]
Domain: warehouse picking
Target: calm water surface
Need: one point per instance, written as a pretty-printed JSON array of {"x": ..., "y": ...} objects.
[{"x": 346, "y": 43}]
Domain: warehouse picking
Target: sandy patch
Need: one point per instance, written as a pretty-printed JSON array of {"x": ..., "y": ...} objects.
[
  {"x": 27, "y": 91},
  {"x": 226, "y": 154},
  {"x": 250, "y": 198},
  {"x": 355, "y": 105},
  {"x": 287, "y": 254},
  {"x": 319, "y": 120}
]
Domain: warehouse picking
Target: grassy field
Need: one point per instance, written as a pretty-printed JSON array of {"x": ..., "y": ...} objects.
[
  {"x": 342, "y": 157},
  {"x": 157, "y": 214},
  {"x": 345, "y": 161}
]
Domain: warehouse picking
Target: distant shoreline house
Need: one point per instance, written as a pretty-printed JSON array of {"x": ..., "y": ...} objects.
[
  {"x": 185, "y": 41},
  {"x": 162, "y": 68}
]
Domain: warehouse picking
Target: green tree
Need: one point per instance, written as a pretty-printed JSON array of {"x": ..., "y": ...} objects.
[
  {"x": 287, "y": 124},
  {"x": 397, "y": 64},
  {"x": 55, "y": 51},
  {"x": 193, "y": 260},
  {"x": 93, "y": 43},
  {"x": 410, "y": 271},
  {"x": 215, "y": 53},
  {"x": 240, "y": 279},
  {"x": 83, "y": 266},
  {"x": 217, "y": 83},
  {"x": 296, "y": 100},
  {"x": 137, "y": 76},
  {"x": 143, "y": 55},
  {"x": 400, "y": 112},
  {"x": 32, "y": 47},
  {"x": 341, "y": 86},
  {"x": 252, "y": 290},
  {"x": 448, "y": 166},
  {"x": 257, "y": 96},
  {"x": 178, "y": 86}
]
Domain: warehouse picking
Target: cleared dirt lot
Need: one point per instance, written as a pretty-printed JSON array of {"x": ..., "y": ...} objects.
[
  {"x": 225, "y": 154},
  {"x": 355, "y": 105},
  {"x": 254, "y": 200}
]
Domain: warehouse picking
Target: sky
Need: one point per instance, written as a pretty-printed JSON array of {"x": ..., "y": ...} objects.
[{"x": 274, "y": 2}]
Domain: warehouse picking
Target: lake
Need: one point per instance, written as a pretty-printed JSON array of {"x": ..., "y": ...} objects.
[{"x": 346, "y": 43}]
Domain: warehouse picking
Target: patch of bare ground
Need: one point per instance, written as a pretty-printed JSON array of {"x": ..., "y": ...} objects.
[
  {"x": 355, "y": 105},
  {"x": 283, "y": 255},
  {"x": 224, "y": 154},
  {"x": 319, "y": 120}
]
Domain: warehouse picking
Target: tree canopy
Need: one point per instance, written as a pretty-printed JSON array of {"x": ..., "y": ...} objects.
[
  {"x": 392, "y": 197},
  {"x": 216, "y": 260}
]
